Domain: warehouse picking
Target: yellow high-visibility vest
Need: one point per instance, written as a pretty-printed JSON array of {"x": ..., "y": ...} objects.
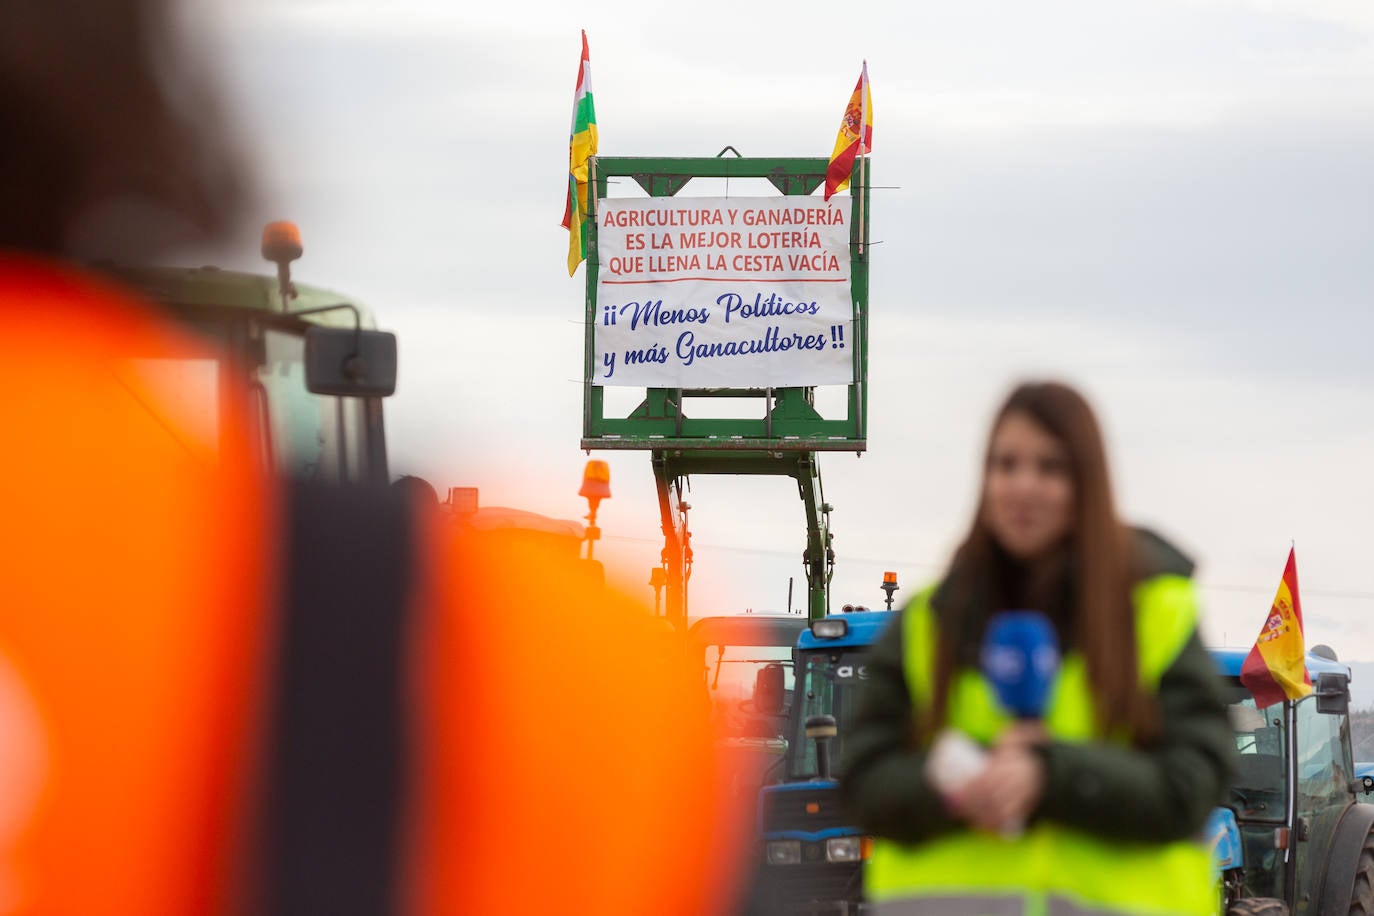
[{"x": 1049, "y": 869}]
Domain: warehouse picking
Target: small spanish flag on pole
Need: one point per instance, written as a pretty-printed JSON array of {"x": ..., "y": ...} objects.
[
  {"x": 854, "y": 139},
  {"x": 1277, "y": 665},
  {"x": 581, "y": 147}
]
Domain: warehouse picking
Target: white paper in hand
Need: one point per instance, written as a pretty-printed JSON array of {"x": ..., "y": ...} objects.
[{"x": 954, "y": 759}]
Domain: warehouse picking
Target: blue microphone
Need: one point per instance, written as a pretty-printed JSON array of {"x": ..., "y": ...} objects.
[{"x": 1020, "y": 658}]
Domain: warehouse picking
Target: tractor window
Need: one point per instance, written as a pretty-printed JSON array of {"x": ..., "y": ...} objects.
[
  {"x": 732, "y": 673},
  {"x": 1323, "y": 785},
  {"x": 312, "y": 436},
  {"x": 1324, "y": 767},
  {"x": 1258, "y": 792},
  {"x": 827, "y": 682},
  {"x": 182, "y": 396}
]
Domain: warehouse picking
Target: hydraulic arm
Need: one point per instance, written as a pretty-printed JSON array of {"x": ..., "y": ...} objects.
[{"x": 787, "y": 436}]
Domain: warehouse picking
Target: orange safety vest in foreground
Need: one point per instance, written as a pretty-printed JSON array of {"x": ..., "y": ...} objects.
[
  {"x": 554, "y": 754},
  {"x": 132, "y": 577}
]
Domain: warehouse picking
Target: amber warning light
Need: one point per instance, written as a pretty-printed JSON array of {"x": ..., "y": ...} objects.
[
  {"x": 596, "y": 486},
  {"x": 596, "y": 480},
  {"x": 889, "y": 586},
  {"x": 281, "y": 244},
  {"x": 281, "y": 241}
]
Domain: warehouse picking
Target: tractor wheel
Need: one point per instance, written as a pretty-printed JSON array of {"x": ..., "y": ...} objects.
[
  {"x": 1362, "y": 891},
  {"x": 1258, "y": 906}
]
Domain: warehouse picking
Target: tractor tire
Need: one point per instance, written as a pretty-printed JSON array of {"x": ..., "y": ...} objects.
[
  {"x": 1362, "y": 891},
  {"x": 1258, "y": 906}
]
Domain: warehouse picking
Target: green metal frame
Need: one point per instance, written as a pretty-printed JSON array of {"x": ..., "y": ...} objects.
[
  {"x": 788, "y": 419},
  {"x": 789, "y": 430}
]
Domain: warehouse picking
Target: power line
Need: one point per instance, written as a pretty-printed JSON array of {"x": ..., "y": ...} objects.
[
  {"x": 774, "y": 552},
  {"x": 1315, "y": 592},
  {"x": 1344, "y": 594}
]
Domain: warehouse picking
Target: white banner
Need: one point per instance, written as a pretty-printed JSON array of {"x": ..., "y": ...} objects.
[{"x": 723, "y": 292}]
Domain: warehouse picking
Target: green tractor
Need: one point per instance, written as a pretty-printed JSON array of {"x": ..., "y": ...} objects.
[{"x": 305, "y": 359}]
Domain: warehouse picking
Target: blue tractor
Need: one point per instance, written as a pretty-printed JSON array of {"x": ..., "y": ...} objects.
[
  {"x": 1294, "y": 837},
  {"x": 811, "y": 859}
]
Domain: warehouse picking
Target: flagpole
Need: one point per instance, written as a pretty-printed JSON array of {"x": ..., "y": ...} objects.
[
  {"x": 591, "y": 187},
  {"x": 1290, "y": 861},
  {"x": 863, "y": 152},
  {"x": 863, "y": 190}
]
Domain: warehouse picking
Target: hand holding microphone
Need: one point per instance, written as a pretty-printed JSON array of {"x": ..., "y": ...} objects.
[{"x": 996, "y": 790}]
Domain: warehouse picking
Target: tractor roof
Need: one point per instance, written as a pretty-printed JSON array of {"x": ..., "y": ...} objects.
[{"x": 211, "y": 286}]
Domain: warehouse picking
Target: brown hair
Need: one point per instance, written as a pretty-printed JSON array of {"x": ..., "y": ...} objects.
[
  {"x": 113, "y": 141},
  {"x": 1096, "y": 561}
]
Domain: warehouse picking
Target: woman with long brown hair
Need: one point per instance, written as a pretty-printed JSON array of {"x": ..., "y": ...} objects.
[{"x": 1092, "y": 806}]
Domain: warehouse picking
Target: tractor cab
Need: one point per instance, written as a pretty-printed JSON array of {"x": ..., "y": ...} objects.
[
  {"x": 746, "y": 663},
  {"x": 1294, "y": 822},
  {"x": 305, "y": 361},
  {"x": 746, "y": 672}
]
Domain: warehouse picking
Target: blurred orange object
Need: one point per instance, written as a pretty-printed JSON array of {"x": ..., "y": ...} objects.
[
  {"x": 561, "y": 758},
  {"x": 570, "y": 765},
  {"x": 132, "y": 578}
]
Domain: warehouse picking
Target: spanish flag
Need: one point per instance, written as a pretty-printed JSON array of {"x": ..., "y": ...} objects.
[
  {"x": 854, "y": 139},
  {"x": 581, "y": 147},
  {"x": 1277, "y": 666}
]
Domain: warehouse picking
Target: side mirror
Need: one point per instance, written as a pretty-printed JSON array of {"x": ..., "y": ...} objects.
[
  {"x": 1333, "y": 694},
  {"x": 822, "y": 729},
  {"x": 349, "y": 362},
  {"x": 768, "y": 690}
]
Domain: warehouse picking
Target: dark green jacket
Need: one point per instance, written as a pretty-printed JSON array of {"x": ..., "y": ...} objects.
[{"x": 1149, "y": 794}]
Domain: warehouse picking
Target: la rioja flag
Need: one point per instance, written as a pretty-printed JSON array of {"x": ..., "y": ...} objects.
[{"x": 1276, "y": 667}]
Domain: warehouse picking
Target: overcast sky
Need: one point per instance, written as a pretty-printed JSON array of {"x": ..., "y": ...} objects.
[{"x": 1167, "y": 202}]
